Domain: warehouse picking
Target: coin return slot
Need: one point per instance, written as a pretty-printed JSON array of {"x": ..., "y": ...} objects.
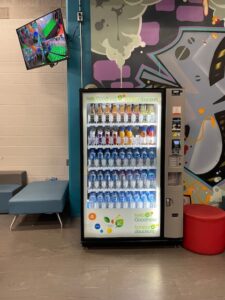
[{"x": 174, "y": 178}]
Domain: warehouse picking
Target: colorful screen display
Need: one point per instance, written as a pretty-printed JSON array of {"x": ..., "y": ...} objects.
[{"x": 43, "y": 41}]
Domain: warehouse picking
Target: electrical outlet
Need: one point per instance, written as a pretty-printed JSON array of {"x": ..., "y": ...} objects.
[{"x": 80, "y": 16}]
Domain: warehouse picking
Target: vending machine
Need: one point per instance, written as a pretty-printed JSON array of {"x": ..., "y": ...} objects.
[{"x": 132, "y": 144}]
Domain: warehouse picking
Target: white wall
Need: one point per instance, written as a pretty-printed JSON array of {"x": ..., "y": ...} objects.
[{"x": 33, "y": 111}]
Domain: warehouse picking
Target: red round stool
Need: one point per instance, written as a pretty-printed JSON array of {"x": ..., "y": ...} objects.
[{"x": 204, "y": 229}]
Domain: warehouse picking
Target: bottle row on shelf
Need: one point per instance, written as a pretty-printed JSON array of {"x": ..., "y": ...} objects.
[
  {"x": 137, "y": 135},
  {"x": 122, "y": 158},
  {"x": 121, "y": 200},
  {"x": 122, "y": 179},
  {"x": 121, "y": 113}
]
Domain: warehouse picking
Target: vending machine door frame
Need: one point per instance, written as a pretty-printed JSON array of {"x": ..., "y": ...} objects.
[{"x": 113, "y": 241}]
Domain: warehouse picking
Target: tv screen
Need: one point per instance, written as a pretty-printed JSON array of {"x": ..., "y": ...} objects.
[{"x": 43, "y": 41}]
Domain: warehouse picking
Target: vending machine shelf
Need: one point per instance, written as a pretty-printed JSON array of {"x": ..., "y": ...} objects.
[
  {"x": 120, "y": 146},
  {"x": 121, "y": 168},
  {"x": 130, "y": 124},
  {"x": 122, "y": 190}
]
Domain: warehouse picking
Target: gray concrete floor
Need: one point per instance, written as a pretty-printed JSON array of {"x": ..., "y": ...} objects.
[{"x": 38, "y": 261}]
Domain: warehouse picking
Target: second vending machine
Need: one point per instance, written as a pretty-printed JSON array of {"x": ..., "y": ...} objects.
[{"x": 132, "y": 165}]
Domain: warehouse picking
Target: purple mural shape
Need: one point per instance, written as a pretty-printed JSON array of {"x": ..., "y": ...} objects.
[
  {"x": 125, "y": 84},
  {"x": 190, "y": 13},
  {"x": 195, "y": 1},
  {"x": 166, "y": 5},
  {"x": 150, "y": 33},
  {"x": 104, "y": 70}
]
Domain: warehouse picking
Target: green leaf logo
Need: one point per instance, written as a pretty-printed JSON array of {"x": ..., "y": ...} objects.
[
  {"x": 106, "y": 219},
  {"x": 119, "y": 223}
]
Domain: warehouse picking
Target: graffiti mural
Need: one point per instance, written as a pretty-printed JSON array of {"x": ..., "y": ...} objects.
[{"x": 171, "y": 43}]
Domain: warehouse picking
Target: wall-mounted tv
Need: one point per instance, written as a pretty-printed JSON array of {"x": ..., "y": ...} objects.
[{"x": 43, "y": 41}]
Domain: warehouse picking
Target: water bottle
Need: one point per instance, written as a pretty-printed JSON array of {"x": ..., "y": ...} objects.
[
  {"x": 100, "y": 199},
  {"x": 122, "y": 156},
  {"x": 100, "y": 157},
  {"x": 137, "y": 157},
  {"x": 111, "y": 203},
  {"x": 123, "y": 200},
  {"x": 100, "y": 178},
  {"x": 145, "y": 201},
  {"x": 133, "y": 160},
  {"x": 144, "y": 156},
  {"x": 104, "y": 203},
  {"x": 106, "y": 157},
  {"x": 91, "y": 179},
  {"x": 114, "y": 156},
  {"x": 131, "y": 201},
  {"x": 137, "y": 178},
  {"x": 92, "y": 136},
  {"x": 116, "y": 200},
  {"x": 123, "y": 179},
  {"x": 96, "y": 203},
  {"x": 107, "y": 199},
  {"x": 138, "y": 200},
  {"x": 116, "y": 180},
  {"x": 91, "y": 158},
  {"x": 111, "y": 160},
  {"x": 130, "y": 179},
  {"x": 152, "y": 199},
  {"x": 129, "y": 156},
  {"x": 152, "y": 178},
  {"x": 144, "y": 179},
  {"x": 152, "y": 156},
  {"x": 91, "y": 201},
  {"x": 107, "y": 178}
]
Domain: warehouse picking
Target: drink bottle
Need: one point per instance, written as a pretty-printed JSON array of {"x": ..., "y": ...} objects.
[
  {"x": 107, "y": 136},
  {"x": 115, "y": 136},
  {"x": 116, "y": 197},
  {"x": 144, "y": 179},
  {"x": 114, "y": 112},
  {"x": 92, "y": 113},
  {"x": 129, "y": 177},
  {"x": 107, "y": 178},
  {"x": 107, "y": 156},
  {"x": 144, "y": 156},
  {"x": 91, "y": 158},
  {"x": 104, "y": 202},
  {"x": 96, "y": 114},
  {"x": 152, "y": 199},
  {"x": 130, "y": 198},
  {"x": 100, "y": 178},
  {"x": 99, "y": 113},
  {"x": 99, "y": 136},
  {"x": 100, "y": 157},
  {"x": 116, "y": 180},
  {"x": 123, "y": 180},
  {"x": 144, "y": 197},
  {"x": 152, "y": 178},
  {"x": 152, "y": 156},
  {"x": 122, "y": 198},
  {"x": 122, "y": 156},
  {"x": 142, "y": 115},
  {"x": 91, "y": 179},
  {"x": 129, "y": 135},
  {"x": 151, "y": 116},
  {"x": 91, "y": 200},
  {"x": 96, "y": 203},
  {"x": 143, "y": 135},
  {"x": 138, "y": 200},
  {"x": 100, "y": 199},
  {"x": 137, "y": 157},
  {"x": 107, "y": 112},
  {"x": 129, "y": 156},
  {"x": 121, "y": 135},
  {"x": 151, "y": 135},
  {"x": 107, "y": 199},
  {"x": 91, "y": 136},
  {"x": 111, "y": 203},
  {"x": 137, "y": 177},
  {"x": 103, "y": 113},
  {"x": 114, "y": 156},
  {"x": 122, "y": 112}
]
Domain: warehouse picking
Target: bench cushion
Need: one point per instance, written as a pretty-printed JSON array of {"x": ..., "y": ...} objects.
[
  {"x": 13, "y": 177},
  {"x": 40, "y": 197},
  {"x": 6, "y": 193}
]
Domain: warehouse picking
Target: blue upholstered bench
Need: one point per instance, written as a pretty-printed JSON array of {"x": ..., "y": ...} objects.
[
  {"x": 7, "y": 191},
  {"x": 11, "y": 182},
  {"x": 39, "y": 198}
]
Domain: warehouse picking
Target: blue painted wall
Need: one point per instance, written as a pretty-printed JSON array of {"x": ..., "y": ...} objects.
[{"x": 73, "y": 82}]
